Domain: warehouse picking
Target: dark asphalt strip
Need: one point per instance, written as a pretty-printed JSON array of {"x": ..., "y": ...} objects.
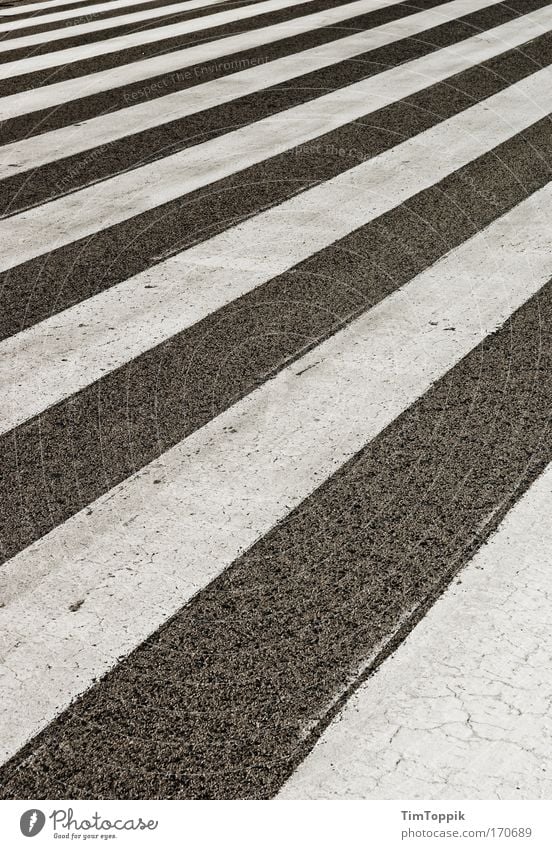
[
  {"x": 125, "y": 29},
  {"x": 102, "y": 62},
  {"x": 55, "y": 464},
  {"x": 74, "y": 172},
  {"x": 116, "y": 98},
  {"x": 229, "y": 695},
  {"x": 13, "y": 4},
  {"x": 86, "y": 18},
  {"x": 50, "y": 283}
]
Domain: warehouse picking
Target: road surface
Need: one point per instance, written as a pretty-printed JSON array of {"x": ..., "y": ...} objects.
[{"x": 275, "y": 351}]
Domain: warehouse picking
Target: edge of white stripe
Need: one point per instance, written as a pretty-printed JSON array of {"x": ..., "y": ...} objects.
[
  {"x": 462, "y": 709},
  {"x": 51, "y": 4},
  {"x": 57, "y": 94},
  {"x": 59, "y": 356},
  {"x": 44, "y": 61},
  {"x": 165, "y": 532},
  {"x": 49, "y": 36},
  {"x": 45, "y": 228},
  {"x": 47, "y": 147}
]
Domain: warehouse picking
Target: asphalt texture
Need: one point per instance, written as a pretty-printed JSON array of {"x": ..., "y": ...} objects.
[
  {"x": 12, "y": 7},
  {"x": 433, "y": 104},
  {"x": 96, "y": 17},
  {"x": 216, "y": 703},
  {"x": 106, "y": 33},
  {"x": 165, "y": 45},
  {"x": 132, "y": 415},
  {"x": 31, "y": 291},
  {"x": 139, "y": 92},
  {"x": 227, "y": 697}
]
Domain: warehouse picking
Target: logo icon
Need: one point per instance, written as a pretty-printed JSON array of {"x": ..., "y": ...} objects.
[{"x": 32, "y": 822}]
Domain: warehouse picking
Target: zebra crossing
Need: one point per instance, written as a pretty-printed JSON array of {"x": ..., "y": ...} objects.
[
  {"x": 275, "y": 349},
  {"x": 474, "y": 722}
]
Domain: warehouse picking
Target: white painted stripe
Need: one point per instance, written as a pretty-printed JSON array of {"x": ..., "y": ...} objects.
[
  {"x": 57, "y": 357},
  {"x": 39, "y": 150},
  {"x": 17, "y": 9},
  {"x": 86, "y": 11},
  {"x": 168, "y": 530},
  {"x": 33, "y": 64},
  {"x": 56, "y": 94},
  {"x": 44, "y": 228},
  {"x": 109, "y": 23},
  {"x": 462, "y": 709}
]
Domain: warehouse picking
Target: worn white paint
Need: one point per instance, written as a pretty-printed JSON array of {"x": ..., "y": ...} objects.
[
  {"x": 45, "y": 228},
  {"x": 48, "y": 96},
  {"x": 462, "y": 709},
  {"x": 18, "y": 9},
  {"x": 48, "y": 36},
  {"x": 47, "y": 147},
  {"x": 144, "y": 549},
  {"x": 66, "y": 352},
  {"x": 43, "y": 61}
]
